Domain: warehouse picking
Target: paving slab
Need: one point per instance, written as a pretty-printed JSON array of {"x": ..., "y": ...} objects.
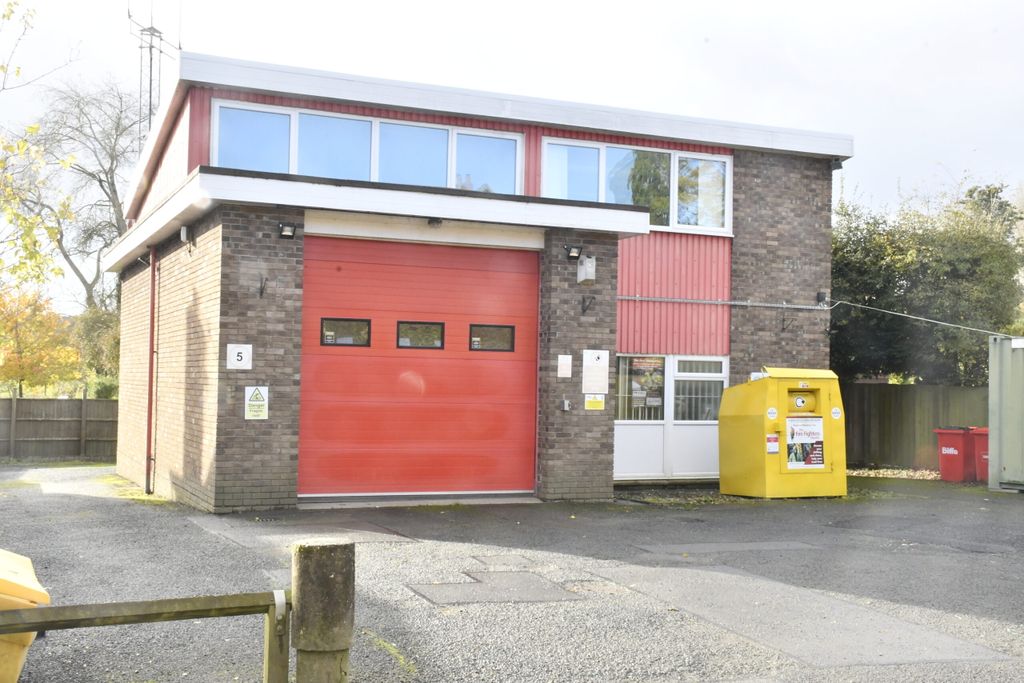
[
  {"x": 517, "y": 561},
  {"x": 816, "y": 628},
  {"x": 495, "y": 587}
]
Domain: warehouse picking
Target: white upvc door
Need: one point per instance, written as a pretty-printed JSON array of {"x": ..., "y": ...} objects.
[{"x": 659, "y": 446}]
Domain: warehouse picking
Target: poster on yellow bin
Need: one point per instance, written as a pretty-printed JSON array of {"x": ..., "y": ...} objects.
[
  {"x": 782, "y": 435},
  {"x": 805, "y": 443}
]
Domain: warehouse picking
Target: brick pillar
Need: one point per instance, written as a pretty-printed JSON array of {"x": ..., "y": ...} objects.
[
  {"x": 574, "y": 447},
  {"x": 782, "y": 251},
  {"x": 261, "y": 304}
]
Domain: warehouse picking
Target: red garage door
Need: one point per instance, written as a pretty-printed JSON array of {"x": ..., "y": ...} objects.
[{"x": 419, "y": 368}]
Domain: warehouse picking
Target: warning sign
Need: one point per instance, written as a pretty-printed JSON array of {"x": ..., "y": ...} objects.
[
  {"x": 593, "y": 402},
  {"x": 257, "y": 400}
]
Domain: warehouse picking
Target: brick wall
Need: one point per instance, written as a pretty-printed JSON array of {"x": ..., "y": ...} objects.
[
  {"x": 257, "y": 460},
  {"x": 132, "y": 383},
  {"x": 574, "y": 448},
  {"x": 185, "y": 419},
  {"x": 781, "y": 252}
]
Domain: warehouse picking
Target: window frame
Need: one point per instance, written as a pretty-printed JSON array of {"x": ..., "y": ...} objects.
[
  {"x": 369, "y": 331},
  {"x": 469, "y": 339},
  {"x": 231, "y": 104},
  {"x": 544, "y": 145},
  {"x": 293, "y": 138},
  {"x": 664, "y": 388},
  {"x": 673, "y": 182},
  {"x": 398, "y": 335},
  {"x": 293, "y": 167},
  {"x": 723, "y": 375}
]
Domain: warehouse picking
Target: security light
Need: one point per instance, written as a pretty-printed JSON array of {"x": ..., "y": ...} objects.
[
  {"x": 287, "y": 230},
  {"x": 573, "y": 252}
]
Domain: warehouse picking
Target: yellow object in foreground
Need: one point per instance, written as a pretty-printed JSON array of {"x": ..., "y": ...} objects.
[
  {"x": 783, "y": 436},
  {"x": 19, "y": 589}
]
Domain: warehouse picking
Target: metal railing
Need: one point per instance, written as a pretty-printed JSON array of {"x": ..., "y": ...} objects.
[{"x": 323, "y": 576}]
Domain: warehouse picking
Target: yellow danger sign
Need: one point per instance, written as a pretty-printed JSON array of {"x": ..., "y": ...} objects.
[{"x": 256, "y": 403}]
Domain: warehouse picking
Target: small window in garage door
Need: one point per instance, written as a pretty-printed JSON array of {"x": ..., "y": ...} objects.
[
  {"x": 344, "y": 332},
  {"x": 420, "y": 335},
  {"x": 492, "y": 338}
]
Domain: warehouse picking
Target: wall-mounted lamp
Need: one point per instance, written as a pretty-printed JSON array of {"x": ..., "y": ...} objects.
[
  {"x": 573, "y": 252},
  {"x": 183, "y": 234},
  {"x": 287, "y": 230}
]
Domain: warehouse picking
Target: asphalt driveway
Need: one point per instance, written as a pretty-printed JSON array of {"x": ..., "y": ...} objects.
[{"x": 907, "y": 580}]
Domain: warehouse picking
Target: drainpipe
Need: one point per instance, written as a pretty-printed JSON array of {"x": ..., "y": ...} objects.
[{"x": 152, "y": 369}]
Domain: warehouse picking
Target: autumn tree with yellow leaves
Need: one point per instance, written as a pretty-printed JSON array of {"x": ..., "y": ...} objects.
[{"x": 36, "y": 348}]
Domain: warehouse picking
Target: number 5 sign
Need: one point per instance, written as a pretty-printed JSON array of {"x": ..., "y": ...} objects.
[{"x": 239, "y": 356}]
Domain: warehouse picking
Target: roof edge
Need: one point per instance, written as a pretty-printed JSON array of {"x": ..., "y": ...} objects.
[{"x": 248, "y": 75}]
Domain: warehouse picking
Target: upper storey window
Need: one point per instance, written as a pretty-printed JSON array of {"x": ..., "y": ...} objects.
[
  {"x": 413, "y": 155},
  {"x": 684, "y": 191},
  {"x": 333, "y": 147},
  {"x": 240, "y": 127},
  {"x": 486, "y": 163},
  {"x": 285, "y": 140}
]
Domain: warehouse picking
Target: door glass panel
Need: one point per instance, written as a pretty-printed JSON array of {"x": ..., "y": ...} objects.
[
  {"x": 698, "y": 399},
  {"x": 704, "y": 367},
  {"x": 641, "y": 388}
]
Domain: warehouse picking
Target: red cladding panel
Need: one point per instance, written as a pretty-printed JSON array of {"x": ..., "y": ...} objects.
[
  {"x": 674, "y": 266},
  {"x": 383, "y": 419},
  {"x": 199, "y": 127}
]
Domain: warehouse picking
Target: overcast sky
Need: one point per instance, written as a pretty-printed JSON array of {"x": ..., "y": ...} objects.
[{"x": 930, "y": 91}]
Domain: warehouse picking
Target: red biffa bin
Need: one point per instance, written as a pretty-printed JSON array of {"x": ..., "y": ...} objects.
[
  {"x": 979, "y": 435},
  {"x": 956, "y": 457}
]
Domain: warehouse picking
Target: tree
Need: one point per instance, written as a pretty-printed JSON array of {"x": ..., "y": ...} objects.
[
  {"x": 957, "y": 264},
  {"x": 97, "y": 337},
  {"x": 22, "y": 251},
  {"x": 72, "y": 189},
  {"x": 35, "y": 348}
]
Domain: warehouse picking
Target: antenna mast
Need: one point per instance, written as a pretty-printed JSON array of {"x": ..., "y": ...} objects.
[{"x": 152, "y": 48}]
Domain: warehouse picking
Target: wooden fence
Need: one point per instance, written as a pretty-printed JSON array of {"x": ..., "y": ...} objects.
[
  {"x": 41, "y": 429},
  {"x": 891, "y": 424}
]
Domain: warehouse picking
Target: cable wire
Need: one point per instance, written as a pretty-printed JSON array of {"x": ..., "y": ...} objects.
[{"x": 836, "y": 302}]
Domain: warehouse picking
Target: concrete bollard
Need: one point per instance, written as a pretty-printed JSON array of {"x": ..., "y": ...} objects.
[{"x": 323, "y": 610}]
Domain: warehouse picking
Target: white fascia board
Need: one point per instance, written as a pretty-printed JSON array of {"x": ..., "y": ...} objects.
[
  {"x": 207, "y": 69},
  {"x": 406, "y": 229},
  {"x": 425, "y": 204},
  {"x": 187, "y": 203},
  {"x": 204, "y": 190}
]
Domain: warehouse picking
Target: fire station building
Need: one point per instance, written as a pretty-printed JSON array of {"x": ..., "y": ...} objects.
[{"x": 338, "y": 288}]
